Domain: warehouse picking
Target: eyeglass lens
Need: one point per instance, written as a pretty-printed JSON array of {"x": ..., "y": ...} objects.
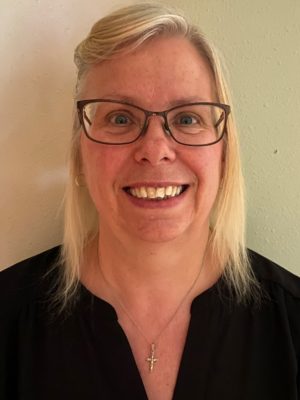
[{"x": 117, "y": 123}]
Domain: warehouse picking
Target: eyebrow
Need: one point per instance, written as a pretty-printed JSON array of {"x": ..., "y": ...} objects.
[{"x": 172, "y": 103}]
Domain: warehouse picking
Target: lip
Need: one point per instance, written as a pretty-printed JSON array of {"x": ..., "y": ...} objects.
[{"x": 156, "y": 204}]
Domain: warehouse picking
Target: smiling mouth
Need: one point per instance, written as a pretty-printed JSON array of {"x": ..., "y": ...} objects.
[{"x": 156, "y": 193}]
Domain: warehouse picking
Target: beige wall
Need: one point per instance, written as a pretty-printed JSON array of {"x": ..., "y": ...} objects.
[{"x": 260, "y": 41}]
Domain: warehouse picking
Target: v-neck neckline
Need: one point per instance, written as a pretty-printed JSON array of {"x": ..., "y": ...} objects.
[{"x": 121, "y": 355}]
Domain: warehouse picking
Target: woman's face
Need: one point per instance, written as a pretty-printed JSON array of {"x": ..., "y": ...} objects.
[{"x": 163, "y": 72}]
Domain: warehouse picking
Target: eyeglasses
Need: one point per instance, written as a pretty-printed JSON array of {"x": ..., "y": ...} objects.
[{"x": 117, "y": 122}]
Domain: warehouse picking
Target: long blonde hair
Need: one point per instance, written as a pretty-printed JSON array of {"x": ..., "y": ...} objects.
[{"x": 123, "y": 31}]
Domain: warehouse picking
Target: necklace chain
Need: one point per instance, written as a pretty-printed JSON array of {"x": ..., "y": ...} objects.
[{"x": 153, "y": 344}]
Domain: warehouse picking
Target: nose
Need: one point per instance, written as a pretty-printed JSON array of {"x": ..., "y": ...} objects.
[{"x": 155, "y": 146}]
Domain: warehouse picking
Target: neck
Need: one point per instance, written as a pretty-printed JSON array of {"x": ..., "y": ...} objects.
[{"x": 139, "y": 269}]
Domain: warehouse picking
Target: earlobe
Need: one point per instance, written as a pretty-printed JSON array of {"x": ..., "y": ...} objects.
[{"x": 80, "y": 180}]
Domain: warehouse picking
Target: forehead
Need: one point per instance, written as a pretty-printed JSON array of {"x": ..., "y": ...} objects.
[{"x": 163, "y": 71}]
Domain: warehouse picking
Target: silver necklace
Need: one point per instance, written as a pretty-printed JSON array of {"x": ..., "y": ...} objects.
[{"x": 152, "y": 358}]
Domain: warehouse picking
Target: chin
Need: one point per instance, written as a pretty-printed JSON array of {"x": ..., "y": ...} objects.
[{"x": 160, "y": 232}]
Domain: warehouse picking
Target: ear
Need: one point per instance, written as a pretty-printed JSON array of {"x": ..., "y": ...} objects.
[{"x": 80, "y": 180}]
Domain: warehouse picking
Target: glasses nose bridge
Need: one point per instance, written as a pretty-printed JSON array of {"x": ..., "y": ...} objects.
[{"x": 162, "y": 114}]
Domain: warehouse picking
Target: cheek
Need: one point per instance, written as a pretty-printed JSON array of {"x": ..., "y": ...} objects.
[
  {"x": 207, "y": 164},
  {"x": 91, "y": 165},
  {"x": 101, "y": 165}
]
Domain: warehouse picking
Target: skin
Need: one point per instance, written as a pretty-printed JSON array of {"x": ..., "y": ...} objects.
[
  {"x": 139, "y": 240},
  {"x": 147, "y": 79}
]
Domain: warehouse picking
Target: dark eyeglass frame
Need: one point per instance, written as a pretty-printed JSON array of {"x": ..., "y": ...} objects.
[{"x": 225, "y": 107}]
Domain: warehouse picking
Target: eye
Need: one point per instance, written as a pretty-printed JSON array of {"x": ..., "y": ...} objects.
[
  {"x": 120, "y": 119},
  {"x": 186, "y": 119}
]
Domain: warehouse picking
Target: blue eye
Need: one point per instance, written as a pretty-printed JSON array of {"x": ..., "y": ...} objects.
[
  {"x": 120, "y": 119},
  {"x": 186, "y": 120}
]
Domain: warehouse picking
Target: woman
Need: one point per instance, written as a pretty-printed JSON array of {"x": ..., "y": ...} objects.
[{"x": 154, "y": 294}]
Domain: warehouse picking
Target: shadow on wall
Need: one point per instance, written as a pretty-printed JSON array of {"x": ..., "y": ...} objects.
[{"x": 35, "y": 131}]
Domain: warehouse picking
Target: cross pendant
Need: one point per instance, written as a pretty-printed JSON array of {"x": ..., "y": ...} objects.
[{"x": 151, "y": 359}]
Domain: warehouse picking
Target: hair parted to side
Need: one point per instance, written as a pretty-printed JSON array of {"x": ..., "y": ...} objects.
[{"x": 123, "y": 31}]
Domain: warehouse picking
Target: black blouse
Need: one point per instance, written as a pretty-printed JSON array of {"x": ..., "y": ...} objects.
[{"x": 232, "y": 351}]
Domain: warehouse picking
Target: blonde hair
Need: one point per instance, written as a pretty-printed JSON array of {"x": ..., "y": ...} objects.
[{"x": 123, "y": 31}]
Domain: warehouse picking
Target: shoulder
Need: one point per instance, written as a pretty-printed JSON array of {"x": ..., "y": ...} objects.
[
  {"x": 270, "y": 274},
  {"x": 25, "y": 281},
  {"x": 282, "y": 290}
]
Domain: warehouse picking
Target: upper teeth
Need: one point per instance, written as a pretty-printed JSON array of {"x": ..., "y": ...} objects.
[{"x": 156, "y": 193}]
